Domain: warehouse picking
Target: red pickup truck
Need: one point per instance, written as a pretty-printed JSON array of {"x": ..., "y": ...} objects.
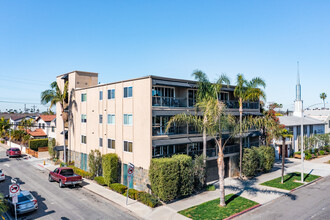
[{"x": 64, "y": 176}]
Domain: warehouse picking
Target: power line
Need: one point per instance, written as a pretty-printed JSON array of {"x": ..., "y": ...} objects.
[{"x": 33, "y": 103}]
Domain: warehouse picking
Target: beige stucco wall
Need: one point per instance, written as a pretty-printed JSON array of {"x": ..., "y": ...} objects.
[{"x": 139, "y": 133}]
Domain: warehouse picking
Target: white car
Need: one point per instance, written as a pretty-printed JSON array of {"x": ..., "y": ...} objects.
[{"x": 2, "y": 176}]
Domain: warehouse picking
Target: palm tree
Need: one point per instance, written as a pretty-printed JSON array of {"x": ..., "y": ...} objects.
[
  {"x": 213, "y": 121},
  {"x": 323, "y": 96},
  {"x": 284, "y": 133},
  {"x": 56, "y": 96},
  {"x": 207, "y": 90},
  {"x": 4, "y": 126},
  {"x": 247, "y": 91}
]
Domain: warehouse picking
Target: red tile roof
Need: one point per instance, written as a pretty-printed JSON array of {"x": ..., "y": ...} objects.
[
  {"x": 47, "y": 118},
  {"x": 37, "y": 133}
]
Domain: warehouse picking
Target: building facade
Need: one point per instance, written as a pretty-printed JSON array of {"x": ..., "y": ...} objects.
[{"x": 129, "y": 118}]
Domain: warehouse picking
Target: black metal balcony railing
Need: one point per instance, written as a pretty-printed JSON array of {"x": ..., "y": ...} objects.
[
  {"x": 231, "y": 149},
  {"x": 156, "y": 131},
  {"x": 233, "y": 104},
  {"x": 169, "y": 101}
]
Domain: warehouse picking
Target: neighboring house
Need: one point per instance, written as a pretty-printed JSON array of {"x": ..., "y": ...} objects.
[
  {"x": 129, "y": 118},
  {"x": 293, "y": 124},
  {"x": 37, "y": 133},
  {"x": 48, "y": 124},
  {"x": 15, "y": 119},
  {"x": 320, "y": 114}
]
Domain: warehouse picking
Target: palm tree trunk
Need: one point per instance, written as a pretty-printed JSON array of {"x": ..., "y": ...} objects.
[
  {"x": 64, "y": 147},
  {"x": 283, "y": 158},
  {"x": 221, "y": 171},
  {"x": 240, "y": 136},
  {"x": 204, "y": 144}
]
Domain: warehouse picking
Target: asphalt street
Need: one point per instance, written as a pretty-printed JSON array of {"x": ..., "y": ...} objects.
[
  {"x": 310, "y": 202},
  {"x": 54, "y": 202}
]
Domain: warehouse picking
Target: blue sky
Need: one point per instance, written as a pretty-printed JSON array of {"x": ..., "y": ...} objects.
[{"x": 126, "y": 39}]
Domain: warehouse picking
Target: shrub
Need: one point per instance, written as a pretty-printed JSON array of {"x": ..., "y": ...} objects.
[
  {"x": 266, "y": 157},
  {"x": 51, "y": 145},
  {"x": 34, "y": 144},
  {"x": 81, "y": 172},
  {"x": 132, "y": 193},
  {"x": 199, "y": 171},
  {"x": 95, "y": 162},
  {"x": 164, "y": 178},
  {"x": 250, "y": 162},
  {"x": 148, "y": 199},
  {"x": 110, "y": 168},
  {"x": 322, "y": 152},
  {"x": 117, "y": 187},
  {"x": 308, "y": 156},
  {"x": 210, "y": 188},
  {"x": 298, "y": 153},
  {"x": 100, "y": 180},
  {"x": 186, "y": 176}
]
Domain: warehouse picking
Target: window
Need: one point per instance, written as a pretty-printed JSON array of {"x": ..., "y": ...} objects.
[
  {"x": 53, "y": 129},
  {"x": 83, "y": 139},
  {"x": 101, "y": 95},
  {"x": 128, "y": 146},
  {"x": 83, "y": 118},
  {"x": 100, "y": 119},
  {"x": 192, "y": 94},
  {"x": 111, "y": 144},
  {"x": 83, "y": 97},
  {"x": 39, "y": 125},
  {"x": 43, "y": 126},
  {"x": 128, "y": 119},
  {"x": 101, "y": 142},
  {"x": 111, "y": 119},
  {"x": 128, "y": 92},
  {"x": 111, "y": 93}
]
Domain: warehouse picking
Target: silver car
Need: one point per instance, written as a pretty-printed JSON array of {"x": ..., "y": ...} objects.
[{"x": 26, "y": 203}]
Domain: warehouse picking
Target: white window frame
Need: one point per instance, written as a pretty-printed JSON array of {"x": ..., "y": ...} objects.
[
  {"x": 111, "y": 141},
  {"x": 127, "y": 146},
  {"x": 129, "y": 92},
  {"x": 112, "y": 94},
  {"x": 83, "y": 139},
  {"x": 100, "y": 142},
  {"x": 83, "y": 118},
  {"x": 82, "y": 97},
  {"x": 111, "y": 119}
]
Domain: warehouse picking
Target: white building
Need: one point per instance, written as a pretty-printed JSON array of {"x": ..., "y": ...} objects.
[
  {"x": 48, "y": 124},
  {"x": 320, "y": 114},
  {"x": 293, "y": 124}
]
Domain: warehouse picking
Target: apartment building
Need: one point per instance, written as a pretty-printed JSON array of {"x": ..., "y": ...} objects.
[{"x": 129, "y": 118}]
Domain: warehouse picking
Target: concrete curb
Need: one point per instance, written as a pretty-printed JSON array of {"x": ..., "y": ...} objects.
[
  {"x": 242, "y": 212},
  {"x": 306, "y": 184}
]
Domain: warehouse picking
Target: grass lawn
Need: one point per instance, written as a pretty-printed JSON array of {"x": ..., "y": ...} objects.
[
  {"x": 290, "y": 181},
  {"x": 212, "y": 210}
]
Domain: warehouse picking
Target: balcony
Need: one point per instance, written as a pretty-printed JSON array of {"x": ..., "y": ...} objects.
[
  {"x": 169, "y": 101},
  {"x": 233, "y": 104},
  {"x": 158, "y": 131}
]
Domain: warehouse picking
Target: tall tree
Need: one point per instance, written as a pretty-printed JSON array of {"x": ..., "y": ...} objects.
[
  {"x": 323, "y": 96},
  {"x": 283, "y": 134},
  {"x": 217, "y": 120},
  {"x": 247, "y": 91},
  {"x": 56, "y": 96},
  {"x": 207, "y": 90}
]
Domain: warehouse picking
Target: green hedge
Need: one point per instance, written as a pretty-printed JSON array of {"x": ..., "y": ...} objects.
[
  {"x": 164, "y": 178},
  {"x": 100, "y": 180},
  {"x": 186, "y": 175},
  {"x": 148, "y": 199},
  {"x": 110, "y": 168},
  {"x": 132, "y": 193},
  {"x": 266, "y": 157},
  {"x": 119, "y": 188},
  {"x": 34, "y": 144},
  {"x": 81, "y": 172},
  {"x": 321, "y": 152},
  {"x": 250, "y": 162}
]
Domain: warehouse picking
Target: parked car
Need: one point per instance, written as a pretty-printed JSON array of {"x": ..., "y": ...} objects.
[
  {"x": 13, "y": 152},
  {"x": 26, "y": 203},
  {"x": 2, "y": 176},
  {"x": 65, "y": 176}
]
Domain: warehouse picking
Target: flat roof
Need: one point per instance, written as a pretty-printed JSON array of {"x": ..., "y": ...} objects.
[{"x": 77, "y": 71}]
